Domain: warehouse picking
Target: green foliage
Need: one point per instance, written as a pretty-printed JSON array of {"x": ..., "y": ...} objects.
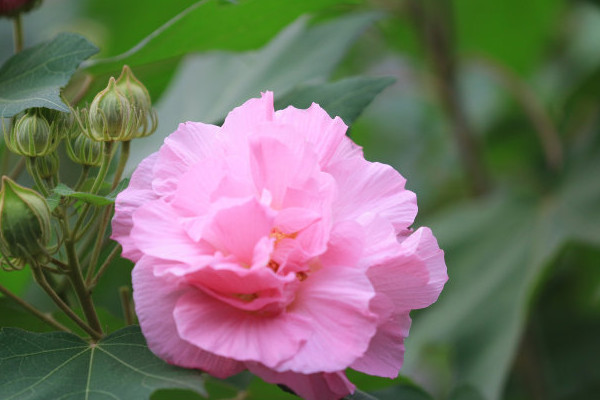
[
  {"x": 62, "y": 365},
  {"x": 34, "y": 77},
  {"x": 226, "y": 80},
  {"x": 518, "y": 318},
  {"x": 95, "y": 199},
  {"x": 345, "y": 98},
  {"x": 201, "y": 26}
]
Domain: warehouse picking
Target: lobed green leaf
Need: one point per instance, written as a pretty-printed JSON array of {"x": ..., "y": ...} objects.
[
  {"x": 60, "y": 365},
  {"x": 34, "y": 77}
]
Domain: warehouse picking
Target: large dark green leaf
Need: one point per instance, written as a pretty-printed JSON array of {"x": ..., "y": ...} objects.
[
  {"x": 34, "y": 77},
  {"x": 346, "y": 98},
  {"x": 164, "y": 34},
  {"x": 210, "y": 85},
  {"x": 63, "y": 366}
]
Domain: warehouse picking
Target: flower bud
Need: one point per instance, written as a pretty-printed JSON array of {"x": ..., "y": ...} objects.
[
  {"x": 31, "y": 135},
  {"x": 111, "y": 116},
  {"x": 47, "y": 166},
  {"x": 10, "y": 8},
  {"x": 24, "y": 222},
  {"x": 85, "y": 151},
  {"x": 139, "y": 98}
]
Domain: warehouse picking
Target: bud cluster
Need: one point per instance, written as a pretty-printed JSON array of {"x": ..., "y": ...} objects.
[{"x": 119, "y": 113}]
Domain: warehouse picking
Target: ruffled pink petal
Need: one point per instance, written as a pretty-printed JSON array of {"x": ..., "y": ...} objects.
[
  {"x": 415, "y": 278},
  {"x": 127, "y": 202},
  {"x": 345, "y": 245},
  {"x": 191, "y": 142},
  {"x": 230, "y": 332},
  {"x": 258, "y": 289},
  {"x": 366, "y": 187},
  {"x": 276, "y": 166},
  {"x": 294, "y": 219},
  {"x": 158, "y": 232},
  {"x": 318, "y": 386},
  {"x": 195, "y": 187},
  {"x": 317, "y": 127},
  {"x": 237, "y": 229},
  {"x": 385, "y": 354},
  {"x": 244, "y": 119},
  {"x": 155, "y": 299},
  {"x": 336, "y": 302},
  {"x": 381, "y": 242}
]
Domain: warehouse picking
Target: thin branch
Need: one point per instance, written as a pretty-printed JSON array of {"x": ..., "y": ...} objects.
[
  {"x": 39, "y": 314},
  {"x": 123, "y": 157},
  {"x": 98, "y": 245},
  {"x": 18, "y": 32},
  {"x": 115, "y": 252},
  {"x": 434, "y": 23},
  {"x": 41, "y": 280},
  {"x": 541, "y": 121},
  {"x": 125, "y": 295}
]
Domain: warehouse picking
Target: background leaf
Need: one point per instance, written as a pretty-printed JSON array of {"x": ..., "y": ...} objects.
[
  {"x": 61, "y": 365},
  {"x": 346, "y": 98},
  {"x": 33, "y": 77},
  {"x": 200, "y": 26},
  {"x": 226, "y": 80}
]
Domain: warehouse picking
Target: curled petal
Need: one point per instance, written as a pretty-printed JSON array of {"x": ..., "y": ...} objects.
[
  {"x": 317, "y": 386},
  {"x": 155, "y": 300}
]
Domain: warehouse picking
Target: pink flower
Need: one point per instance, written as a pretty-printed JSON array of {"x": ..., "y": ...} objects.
[{"x": 271, "y": 244}]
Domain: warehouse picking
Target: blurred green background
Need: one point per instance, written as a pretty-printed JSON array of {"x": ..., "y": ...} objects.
[{"x": 494, "y": 120}]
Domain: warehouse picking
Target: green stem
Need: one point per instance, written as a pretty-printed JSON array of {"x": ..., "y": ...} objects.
[
  {"x": 43, "y": 316},
  {"x": 106, "y": 157},
  {"x": 104, "y": 266},
  {"x": 82, "y": 177},
  {"x": 41, "y": 280},
  {"x": 82, "y": 292},
  {"x": 36, "y": 176},
  {"x": 125, "y": 294},
  {"x": 124, "y": 156},
  {"x": 97, "y": 245},
  {"x": 18, "y": 32},
  {"x": 75, "y": 276}
]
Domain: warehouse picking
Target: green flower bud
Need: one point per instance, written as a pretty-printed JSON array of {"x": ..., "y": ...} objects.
[
  {"x": 111, "y": 116},
  {"x": 85, "y": 151},
  {"x": 24, "y": 223},
  {"x": 139, "y": 98},
  {"x": 47, "y": 166},
  {"x": 31, "y": 135}
]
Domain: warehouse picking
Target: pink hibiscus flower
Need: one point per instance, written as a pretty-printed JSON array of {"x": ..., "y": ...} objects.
[{"x": 271, "y": 244}]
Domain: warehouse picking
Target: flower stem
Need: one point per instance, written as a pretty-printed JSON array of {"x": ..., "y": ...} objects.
[
  {"x": 104, "y": 266},
  {"x": 82, "y": 292},
  {"x": 41, "y": 280},
  {"x": 36, "y": 176},
  {"x": 98, "y": 245},
  {"x": 107, "y": 155},
  {"x": 42, "y": 316},
  {"x": 122, "y": 162},
  {"x": 84, "y": 174},
  {"x": 18, "y": 32},
  {"x": 125, "y": 294}
]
